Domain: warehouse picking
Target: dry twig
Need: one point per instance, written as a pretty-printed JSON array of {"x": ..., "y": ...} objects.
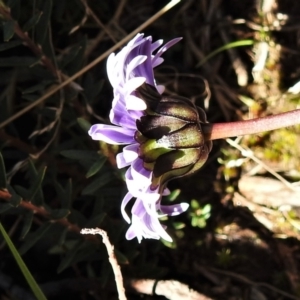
[{"x": 112, "y": 259}]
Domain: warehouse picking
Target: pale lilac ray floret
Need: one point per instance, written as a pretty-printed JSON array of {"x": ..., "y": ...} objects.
[{"x": 127, "y": 71}]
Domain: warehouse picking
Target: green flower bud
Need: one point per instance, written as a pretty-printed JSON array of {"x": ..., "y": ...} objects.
[{"x": 171, "y": 140}]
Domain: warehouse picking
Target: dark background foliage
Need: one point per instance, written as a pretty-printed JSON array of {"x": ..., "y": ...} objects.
[{"x": 61, "y": 181}]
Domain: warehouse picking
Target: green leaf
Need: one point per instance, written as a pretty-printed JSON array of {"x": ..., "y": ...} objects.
[
  {"x": 38, "y": 87},
  {"x": 33, "y": 238},
  {"x": 206, "y": 209},
  {"x": 67, "y": 261},
  {"x": 174, "y": 194},
  {"x": 80, "y": 154},
  {"x": 76, "y": 63},
  {"x": 71, "y": 55},
  {"x": 225, "y": 47},
  {"x": 8, "y": 30},
  {"x": 64, "y": 195},
  {"x": 29, "y": 278},
  {"x": 24, "y": 193},
  {"x": 98, "y": 207},
  {"x": 27, "y": 224},
  {"x": 98, "y": 183},
  {"x": 44, "y": 22},
  {"x": 96, "y": 220},
  {"x": 9, "y": 45},
  {"x": 12, "y": 3},
  {"x": 121, "y": 258},
  {"x": 68, "y": 199},
  {"x": 91, "y": 89},
  {"x": 30, "y": 97},
  {"x": 195, "y": 204},
  {"x": 96, "y": 167},
  {"x": 84, "y": 124},
  {"x": 63, "y": 236},
  {"x": 15, "y": 8},
  {"x": 18, "y": 61},
  {"x": 15, "y": 199},
  {"x": 4, "y": 207},
  {"x": 59, "y": 213},
  {"x": 76, "y": 217},
  {"x": 3, "y": 183},
  {"x": 32, "y": 21},
  {"x": 36, "y": 187},
  {"x": 106, "y": 273}
]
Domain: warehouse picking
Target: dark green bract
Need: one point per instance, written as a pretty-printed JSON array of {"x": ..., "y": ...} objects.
[{"x": 170, "y": 136}]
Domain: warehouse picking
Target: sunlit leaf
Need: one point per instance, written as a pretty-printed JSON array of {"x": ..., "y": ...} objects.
[
  {"x": 241, "y": 43},
  {"x": 174, "y": 194},
  {"x": 206, "y": 209}
]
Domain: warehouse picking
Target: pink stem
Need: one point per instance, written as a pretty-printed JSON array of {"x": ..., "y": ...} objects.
[{"x": 230, "y": 129}]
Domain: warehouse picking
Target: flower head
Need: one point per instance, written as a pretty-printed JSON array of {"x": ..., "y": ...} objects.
[{"x": 150, "y": 126}]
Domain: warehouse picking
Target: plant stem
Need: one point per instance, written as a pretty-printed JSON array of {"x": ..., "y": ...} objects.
[{"x": 231, "y": 129}]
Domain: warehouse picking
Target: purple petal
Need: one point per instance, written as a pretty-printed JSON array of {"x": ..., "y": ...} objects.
[
  {"x": 174, "y": 210},
  {"x": 125, "y": 201},
  {"x": 164, "y": 49},
  {"x": 130, "y": 153},
  {"x": 120, "y": 116},
  {"x": 156, "y": 44},
  {"x": 135, "y": 103},
  {"x": 146, "y": 226},
  {"x": 112, "y": 134},
  {"x": 133, "y": 84},
  {"x": 136, "y": 61}
]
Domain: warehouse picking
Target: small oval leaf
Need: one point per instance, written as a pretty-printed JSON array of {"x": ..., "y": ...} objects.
[
  {"x": 84, "y": 124},
  {"x": 34, "y": 237},
  {"x": 96, "y": 167},
  {"x": 2, "y": 173},
  {"x": 80, "y": 154},
  {"x": 57, "y": 214},
  {"x": 8, "y": 30}
]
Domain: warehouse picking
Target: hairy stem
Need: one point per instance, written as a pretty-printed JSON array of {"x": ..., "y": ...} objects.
[{"x": 230, "y": 129}]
